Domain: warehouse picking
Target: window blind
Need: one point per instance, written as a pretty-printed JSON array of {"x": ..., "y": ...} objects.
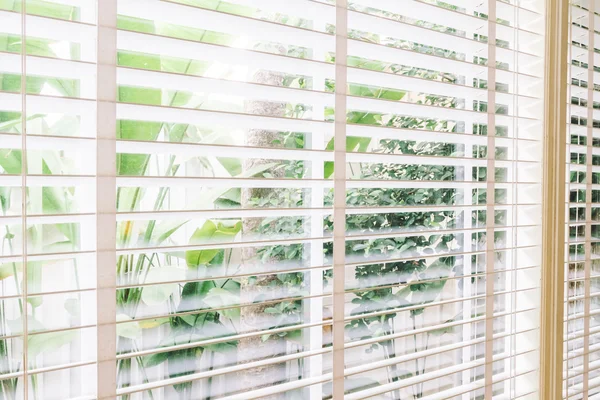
[
  {"x": 174, "y": 227},
  {"x": 47, "y": 173},
  {"x": 581, "y": 375},
  {"x": 453, "y": 104}
]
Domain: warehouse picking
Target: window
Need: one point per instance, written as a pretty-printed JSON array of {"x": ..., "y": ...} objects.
[
  {"x": 581, "y": 376},
  {"x": 48, "y": 318},
  {"x": 174, "y": 227}
]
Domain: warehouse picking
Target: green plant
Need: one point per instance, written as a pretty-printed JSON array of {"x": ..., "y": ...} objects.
[{"x": 201, "y": 306}]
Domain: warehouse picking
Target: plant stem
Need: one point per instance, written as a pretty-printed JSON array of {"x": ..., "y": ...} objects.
[
  {"x": 393, "y": 369},
  {"x": 143, "y": 371},
  {"x": 425, "y": 359},
  {"x": 34, "y": 386},
  {"x": 9, "y": 386},
  {"x": 210, "y": 379},
  {"x": 14, "y": 270},
  {"x": 419, "y": 394}
]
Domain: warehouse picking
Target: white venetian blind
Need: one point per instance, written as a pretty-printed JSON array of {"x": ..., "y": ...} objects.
[
  {"x": 47, "y": 202},
  {"x": 582, "y": 273},
  {"x": 167, "y": 176},
  {"x": 443, "y": 279}
]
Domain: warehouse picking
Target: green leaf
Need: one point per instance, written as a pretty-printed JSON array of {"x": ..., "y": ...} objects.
[
  {"x": 222, "y": 202},
  {"x": 9, "y": 120},
  {"x": 153, "y": 323},
  {"x": 130, "y": 330},
  {"x": 72, "y": 306},
  {"x": 182, "y": 361},
  {"x": 390, "y": 94},
  {"x": 157, "y": 359},
  {"x": 16, "y": 325},
  {"x": 10, "y": 5},
  {"x": 218, "y": 297},
  {"x": 184, "y": 66},
  {"x": 295, "y": 336},
  {"x": 38, "y": 344},
  {"x": 157, "y": 294},
  {"x": 191, "y": 295},
  {"x": 180, "y": 32},
  {"x": 192, "y": 319},
  {"x": 353, "y": 144},
  {"x": 54, "y": 200},
  {"x": 136, "y": 95},
  {"x": 137, "y": 60},
  {"x": 34, "y": 281},
  {"x": 10, "y": 161},
  {"x": 196, "y": 289},
  {"x": 165, "y": 229},
  {"x": 210, "y": 196},
  {"x": 8, "y": 270},
  {"x": 407, "y": 245},
  {"x": 135, "y": 24},
  {"x": 135, "y": 164},
  {"x": 177, "y": 132},
  {"x": 194, "y": 258},
  {"x": 232, "y": 165},
  {"x": 35, "y": 301},
  {"x": 52, "y": 10},
  {"x": 5, "y": 200},
  {"x": 210, "y": 233}
]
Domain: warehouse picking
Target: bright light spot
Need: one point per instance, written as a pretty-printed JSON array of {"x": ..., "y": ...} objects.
[
  {"x": 242, "y": 42},
  {"x": 62, "y": 49},
  {"x": 49, "y": 90},
  {"x": 223, "y": 71}
]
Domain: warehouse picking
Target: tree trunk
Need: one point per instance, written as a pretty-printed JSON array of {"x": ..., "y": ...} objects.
[{"x": 254, "y": 317}]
